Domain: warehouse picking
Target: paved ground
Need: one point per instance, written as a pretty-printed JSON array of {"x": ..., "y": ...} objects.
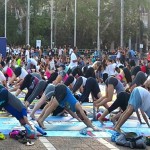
[{"x": 61, "y": 143}]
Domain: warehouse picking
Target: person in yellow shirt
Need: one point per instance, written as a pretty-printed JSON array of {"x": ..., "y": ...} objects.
[{"x": 18, "y": 61}]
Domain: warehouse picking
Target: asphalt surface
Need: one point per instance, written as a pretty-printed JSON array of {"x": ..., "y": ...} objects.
[{"x": 63, "y": 143}]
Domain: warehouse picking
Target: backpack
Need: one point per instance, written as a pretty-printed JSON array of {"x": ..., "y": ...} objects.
[{"x": 132, "y": 142}]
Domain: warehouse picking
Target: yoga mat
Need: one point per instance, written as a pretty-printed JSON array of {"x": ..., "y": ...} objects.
[
  {"x": 71, "y": 129},
  {"x": 59, "y": 126},
  {"x": 77, "y": 134},
  {"x": 60, "y": 118},
  {"x": 87, "y": 104}
]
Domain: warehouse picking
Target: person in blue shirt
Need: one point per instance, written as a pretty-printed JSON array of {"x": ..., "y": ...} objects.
[
  {"x": 14, "y": 106},
  {"x": 63, "y": 97},
  {"x": 131, "y": 54}
]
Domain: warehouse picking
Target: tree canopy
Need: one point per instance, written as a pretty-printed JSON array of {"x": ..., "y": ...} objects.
[{"x": 40, "y": 20}]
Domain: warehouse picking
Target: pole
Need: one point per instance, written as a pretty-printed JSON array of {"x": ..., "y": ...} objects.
[
  {"x": 75, "y": 22},
  {"x": 98, "y": 27},
  {"x": 130, "y": 42},
  {"x": 28, "y": 24},
  {"x": 5, "y": 25},
  {"x": 52, "y": 4},
  {"x": 122, "y": 24}
]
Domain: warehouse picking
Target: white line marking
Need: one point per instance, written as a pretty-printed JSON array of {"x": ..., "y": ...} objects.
[
  {"x": 46, "y": 143},
  {"x": 110, "y": 146}
]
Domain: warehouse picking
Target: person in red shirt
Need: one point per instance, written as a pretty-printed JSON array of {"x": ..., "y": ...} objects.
[
  {"x": 148, "y": 56},
  {"x": 143, "y": 68}
]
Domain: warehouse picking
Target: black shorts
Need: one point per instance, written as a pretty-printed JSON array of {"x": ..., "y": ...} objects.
[{"x": 92, "y": 87}]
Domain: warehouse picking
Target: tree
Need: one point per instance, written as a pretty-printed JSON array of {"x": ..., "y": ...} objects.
[{"x": 64, "y": 22}]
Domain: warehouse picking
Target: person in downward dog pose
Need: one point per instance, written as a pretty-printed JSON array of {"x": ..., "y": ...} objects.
[
  {"x": 139, "y": 99},
  {"x": 63, "y": 97},
  {"x": 121, "y": 101},
  {"x": 35, "y": 87},
  {"x": 14, "y": 106},
  {"x": 46, "y": 96},
  {"x": 112, "y": 84}
]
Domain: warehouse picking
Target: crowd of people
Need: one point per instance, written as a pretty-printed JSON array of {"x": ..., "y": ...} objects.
[{"x": 63, "y": 81}]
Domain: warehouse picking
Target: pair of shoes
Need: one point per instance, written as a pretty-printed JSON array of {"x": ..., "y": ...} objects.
[
  {"x": 24, "y": 140},
  {"x": 29, "y": 143}
]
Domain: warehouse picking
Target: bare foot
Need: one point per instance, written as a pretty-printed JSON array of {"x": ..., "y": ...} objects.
[
  {"x": 41, "y": 124},
  {"x": 32, "y": 116},
  {"x": 100, "y": 120},
  {"x": 113, "y": 121},
  {"x": 119, "y": 130}
]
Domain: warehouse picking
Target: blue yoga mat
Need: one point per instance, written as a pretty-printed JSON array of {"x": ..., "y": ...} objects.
[
  {"x": 61, "y": 118},
  {"x": 71, "y": 129},
  {"x": 77, "y": 134},
  {"x": 87, "y": 104}
]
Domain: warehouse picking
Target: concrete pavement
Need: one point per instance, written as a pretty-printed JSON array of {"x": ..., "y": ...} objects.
[{"x": 63, "y": 143}]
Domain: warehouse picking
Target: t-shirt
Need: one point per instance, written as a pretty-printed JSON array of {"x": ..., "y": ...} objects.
[
  {"x": 73, "y": 64},
  {"x": 69, "y": 101},
  {"x": 111, "y": 70},
  {"x": 118, "y": 86},
  {"x": 84, "y": 80},
  {"x": 36, "y": 75},
  {"x": 33, "y": 61},
  {"x": 145, "y": 96},
  {"x": 118, "y": 54},
  {"x": 23, "y": 73},
  {"x": 29, "y": 82},
  {"x": 135, "y": 70},
  {"x": 19, "y": 62},
  {"x": 5, "y": 69},
  {"x": 2, "y": 77},
  {"x": 70, "y": 51},
  {"x": 52, "y": 65},
  {"x": 60, "y": 51},
  {"x": 139, "y": 79},
  {"x": 27, "y": 54},
  {"x": 15, "y": 107}
]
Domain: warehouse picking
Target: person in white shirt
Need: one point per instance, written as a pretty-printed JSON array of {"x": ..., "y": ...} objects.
[
  {"x": 52, "y": 64},
  {"x": 32, "y": 61},
  {"x": 118, "y": 54},
  {"x": 27, "y": 55},
  {"x": 73, "y": 59},
  {"x": 7, "y": 49},
  {"x": 3, "y": 79},
  {"x": 70, "y": 51},
  {"x": 111, "y": 68},
  {"x": 19, "y": 74},
  {"x": 60, "y": 51}
]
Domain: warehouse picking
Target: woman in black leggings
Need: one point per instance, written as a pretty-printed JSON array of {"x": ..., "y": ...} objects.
[
  {"x": 92, "y": 87},
  {"x": 35, "y": 87},
  {"x": 121, "y": 101}
]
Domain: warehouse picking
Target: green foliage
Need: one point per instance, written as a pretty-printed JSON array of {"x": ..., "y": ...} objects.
[{"x": 64, "y": 21}]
